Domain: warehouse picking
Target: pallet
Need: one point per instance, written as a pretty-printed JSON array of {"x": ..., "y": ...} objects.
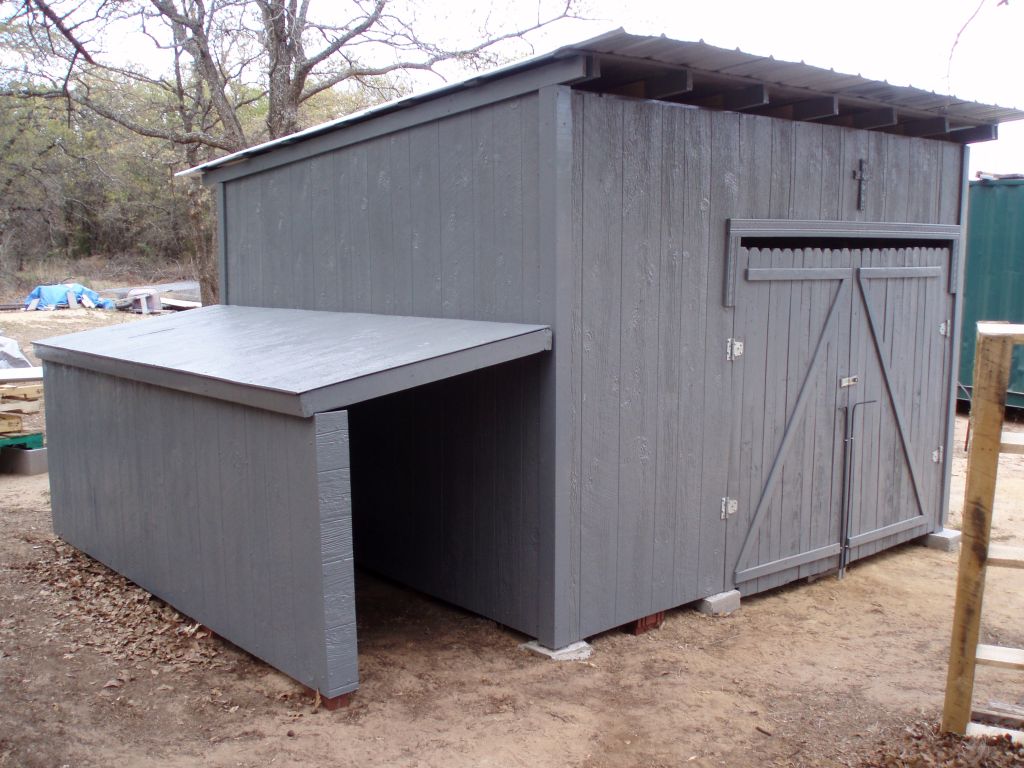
[
  {"x": 9, "y": 423},
  {"x": 21, "y": 440},
  {"x": 21, "y": 391},
  {"x": 19, "y": 406}
]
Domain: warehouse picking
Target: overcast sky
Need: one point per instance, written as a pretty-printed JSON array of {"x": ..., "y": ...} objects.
[{"x": 906, "y": 42}]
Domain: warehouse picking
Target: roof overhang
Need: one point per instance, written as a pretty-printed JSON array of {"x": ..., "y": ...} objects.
[
  {"x": 707, "y": 76},
  {"x": 293, "y": 361}
]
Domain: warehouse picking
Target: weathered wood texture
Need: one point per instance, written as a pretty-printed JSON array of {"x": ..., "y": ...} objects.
[
  {"x": 662, "y": 411},
  {"x": 439, "y": 220},
  {"x": 991, "y": 377},
  {"x": 239, "y": 518},
  {"x": 633, "y": 418}
]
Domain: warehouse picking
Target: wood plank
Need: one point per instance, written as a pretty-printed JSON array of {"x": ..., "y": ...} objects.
[
  {"x": 991, "y": 377},
  {"x": 1000, "y": 714},
  {"x": 425, "y": 221},
  {"x": 979, "y": 730},
  {"x": 670, "y": 329},
  {"x": 601, "y": 324},
  {"x": 484, "y": 264},
  {"x": 698, "y": 293},
  {"x": 324, "y": 187},
  {"x": 638, "y": 365},
  {"x": 1003, "y": 556},
  {"x": 21, "y": 406},
  {"x": 21, "y": 391},
  {"x": 381, "y": 254},
  {"x": 401, "y": 221},
  {"x": 508, "y": 231},
  {"x": 1000, "y": 656},
  {"x": 8, "y": 375},
  {"x": 9, "y": 422},
  {"x": 457, "y": 245},
  {"x": 717, "y": 396}
]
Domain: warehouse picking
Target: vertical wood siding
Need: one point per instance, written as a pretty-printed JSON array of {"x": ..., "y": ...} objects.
[
  {"x": 444, "y": 220},
  {"x": 659, "y": 433},
  {"x": 440, "y": 220},
  {"x": 237, "y": 517}
]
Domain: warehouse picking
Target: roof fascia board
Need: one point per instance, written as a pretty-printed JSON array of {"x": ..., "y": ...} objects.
[
  {"x": 331, "y": 397},
  {"x": 572, "y": 69},
  {"x": 390, "y": 380}
]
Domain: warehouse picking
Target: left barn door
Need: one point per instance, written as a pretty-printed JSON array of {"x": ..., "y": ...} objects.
[{"x": 793, "y": 313}]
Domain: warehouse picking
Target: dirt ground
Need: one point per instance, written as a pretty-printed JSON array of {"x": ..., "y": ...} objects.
[{"x": 833, "y": 673}]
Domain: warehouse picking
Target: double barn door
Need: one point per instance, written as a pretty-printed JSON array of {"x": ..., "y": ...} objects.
[{"x": 841, "y": 391}]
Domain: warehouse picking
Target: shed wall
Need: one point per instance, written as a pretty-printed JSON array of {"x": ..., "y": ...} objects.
[
  {"x": 439, "y": 220},
  {"x": 239, "y": 518},
  {"x": 653, "y": 187},
  {"x": 463, "y": 217}
]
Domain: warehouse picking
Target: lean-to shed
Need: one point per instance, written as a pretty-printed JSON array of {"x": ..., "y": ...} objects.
[{"x": 750, "y": 273}]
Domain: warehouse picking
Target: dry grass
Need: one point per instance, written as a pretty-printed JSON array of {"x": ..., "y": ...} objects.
[{"x": 97, "y": 272}]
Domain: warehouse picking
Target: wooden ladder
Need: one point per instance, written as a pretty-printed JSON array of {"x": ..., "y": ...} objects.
[{"x": 991, "y": 380}]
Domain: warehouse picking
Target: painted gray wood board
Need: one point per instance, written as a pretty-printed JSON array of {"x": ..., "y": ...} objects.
[
  {"x": 293, "y": 361},
  {"x": 437, "y": 220},
  {"x": 238, "y": 517},
  {"x": 712, "y": 167},
  {"x": 634, "y": 297}
]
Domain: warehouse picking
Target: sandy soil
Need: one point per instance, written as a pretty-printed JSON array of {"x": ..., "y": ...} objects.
[{"x": 832, "y": 673}]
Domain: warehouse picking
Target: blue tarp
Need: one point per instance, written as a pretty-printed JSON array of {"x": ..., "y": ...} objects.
[{"x": 57, "y": 296}]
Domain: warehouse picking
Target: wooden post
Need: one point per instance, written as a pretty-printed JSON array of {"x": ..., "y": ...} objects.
[{"x": 991, "y": 378}]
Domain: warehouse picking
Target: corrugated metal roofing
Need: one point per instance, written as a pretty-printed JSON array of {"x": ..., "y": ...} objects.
[
  {"x": 700, "y": 58},
  {"x": 293, "y": 361}
]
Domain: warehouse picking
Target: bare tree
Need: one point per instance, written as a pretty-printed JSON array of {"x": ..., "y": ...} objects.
[{"x": 225, "y": 58}]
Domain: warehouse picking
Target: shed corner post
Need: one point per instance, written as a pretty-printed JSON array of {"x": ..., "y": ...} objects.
[
  {"x": 220, "y": 195},
  {"x": 558, "y": 549},
  {"x": 959, "y": 266}
]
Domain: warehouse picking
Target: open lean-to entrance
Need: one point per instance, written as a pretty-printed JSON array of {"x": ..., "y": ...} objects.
[{"x": 841, "y": 389}]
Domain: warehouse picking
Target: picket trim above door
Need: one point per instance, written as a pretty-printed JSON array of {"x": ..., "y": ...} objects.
[{"x": 826, "y": 230}]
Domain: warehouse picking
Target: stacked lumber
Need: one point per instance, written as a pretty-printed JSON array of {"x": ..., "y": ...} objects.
[{"x": 17, "y": 400}]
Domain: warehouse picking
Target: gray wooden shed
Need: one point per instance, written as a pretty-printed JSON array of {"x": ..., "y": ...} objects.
[{"x": 750, "y": 270}]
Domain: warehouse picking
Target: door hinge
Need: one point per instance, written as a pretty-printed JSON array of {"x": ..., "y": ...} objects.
[
  {"x": 729, "y": 507},
  {"x": 938, "y": 454},
  {"x": 733, "y": 349},
  {"x": 945, "y": 328}
]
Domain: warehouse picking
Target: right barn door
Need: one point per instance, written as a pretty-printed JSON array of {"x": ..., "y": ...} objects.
[
  {"x": 900, "y": 350},
  {"x": 841, "y": 392}
]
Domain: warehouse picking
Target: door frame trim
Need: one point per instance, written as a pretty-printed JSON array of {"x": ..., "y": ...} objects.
[{"x": 737, "y": 229}]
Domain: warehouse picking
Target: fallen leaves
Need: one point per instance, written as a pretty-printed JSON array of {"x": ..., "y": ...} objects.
[
  {"x": 99, "y": 609},
  {"x": 922, "y": 746}
]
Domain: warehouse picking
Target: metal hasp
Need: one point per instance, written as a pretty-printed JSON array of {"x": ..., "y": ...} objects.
[
  {"x": 945, "y": 328},
  {"x": 848, "y": 381}
]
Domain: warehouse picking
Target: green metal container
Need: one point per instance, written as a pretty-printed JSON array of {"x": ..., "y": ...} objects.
[{"x": 995, "y": 272}]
